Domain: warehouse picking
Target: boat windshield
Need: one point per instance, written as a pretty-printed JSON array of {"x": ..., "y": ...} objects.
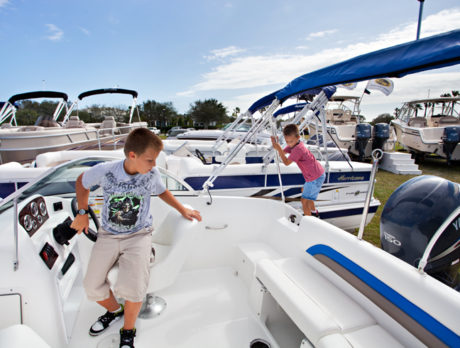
[
  {"x": 244, "y": 127},
  {"x": 61, "y": 182},
  {"x": 430, "y": 108}
]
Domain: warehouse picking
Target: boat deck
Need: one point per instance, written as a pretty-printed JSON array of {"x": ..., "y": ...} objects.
[{"x": 205, "y": 308}]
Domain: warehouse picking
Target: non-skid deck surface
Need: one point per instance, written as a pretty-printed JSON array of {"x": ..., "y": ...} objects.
[{"x": 207, "y": 308}]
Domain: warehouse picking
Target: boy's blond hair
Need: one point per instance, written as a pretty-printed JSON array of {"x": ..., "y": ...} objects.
[
  {"x": 290, "y": 130},
  {"x": 140, "y": 139}
]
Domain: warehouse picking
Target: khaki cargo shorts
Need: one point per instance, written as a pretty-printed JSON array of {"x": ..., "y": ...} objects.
[{"x": 132, "y": 252}]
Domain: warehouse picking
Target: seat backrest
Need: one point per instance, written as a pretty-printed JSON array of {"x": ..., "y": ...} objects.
[
  {"x": 417, "y": 122},
  {"x": 448, "y": 120},
  {"x": 173, "y": 240},
  {"x": 109, "y": 122},
  {"x": 74, "y": 122}
]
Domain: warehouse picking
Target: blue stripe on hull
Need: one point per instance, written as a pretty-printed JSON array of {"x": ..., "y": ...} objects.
[
  {"x": 346, "y": 212},
  {"x": 258, "y": 180},
  {"x": 442, "y": 332}
]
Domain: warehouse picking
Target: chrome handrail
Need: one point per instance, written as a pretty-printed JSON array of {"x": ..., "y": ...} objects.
[{"x": 377, "y": 154}]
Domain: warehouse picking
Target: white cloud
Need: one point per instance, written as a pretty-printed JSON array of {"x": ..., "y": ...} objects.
[
  {"x": 85, "y": 31},
  {"x": 320, "y": 34},
  {"x": 277, "y": 70},
  {"x": 55, "y": 33},
  {"x": 3, "y": 3},
  {"x": 222, "y": 53}
]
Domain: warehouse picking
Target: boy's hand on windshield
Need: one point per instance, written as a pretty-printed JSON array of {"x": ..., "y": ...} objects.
[
  {"x": 191, "y": 214},
  {"x": 80, "y": 223}
]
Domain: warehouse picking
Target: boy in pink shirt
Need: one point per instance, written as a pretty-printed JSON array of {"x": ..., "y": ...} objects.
[{"x": 311, "y": 169}]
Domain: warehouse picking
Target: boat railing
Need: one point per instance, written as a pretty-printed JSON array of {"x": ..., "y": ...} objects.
[
  {"x": 377, "y": 154},
  {"x": 102, "y": 135}
]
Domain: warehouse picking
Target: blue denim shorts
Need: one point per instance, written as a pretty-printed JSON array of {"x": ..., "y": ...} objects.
[{"x": 311, "y": 188}]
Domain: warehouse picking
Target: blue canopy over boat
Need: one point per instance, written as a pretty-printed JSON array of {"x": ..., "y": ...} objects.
[
  {"x": 289, "y": 108},
  {"x": 263, "y": 102},
  {"x": 268, "y": 99},
  {"x": 429, "y": 53}
]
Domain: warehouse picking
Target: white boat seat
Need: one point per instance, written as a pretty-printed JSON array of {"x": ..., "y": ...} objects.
[
  {"x": 75, "y": 122},
  {"x": 31, "y": 129},
  {"x": 317, "y": 306},
  {"x": 372, "y": 336},
  {"x": 108, "y": 124},
  {"x": 173, "y": 241},
  {"x": 448, "y": 120},
  {"x": 20, "y": 336},
  {"x": 419, "y": 122},
  {"x": 247, "y": 256}
]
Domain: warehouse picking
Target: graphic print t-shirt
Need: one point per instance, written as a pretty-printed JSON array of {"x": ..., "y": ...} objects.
[{"x": 126, "y": 197}]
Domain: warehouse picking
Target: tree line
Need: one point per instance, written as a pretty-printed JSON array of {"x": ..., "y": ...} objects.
[{"x": 208, "y": 113}]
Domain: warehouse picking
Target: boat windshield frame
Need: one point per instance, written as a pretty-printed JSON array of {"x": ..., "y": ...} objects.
[
  {"x": 428, "y": 108},
  {"x": 60, "y": 181}
]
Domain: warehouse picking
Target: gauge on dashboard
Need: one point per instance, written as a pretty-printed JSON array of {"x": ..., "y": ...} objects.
[
  {"x": 28, "y": 222},
  {"x": 34, "y": 208},
  {"x": 42, "y": 207}
]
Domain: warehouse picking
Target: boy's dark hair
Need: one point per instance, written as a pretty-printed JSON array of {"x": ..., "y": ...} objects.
[
  {"x": 291, "y": 129},
  {"x": 140, "y": 139}
]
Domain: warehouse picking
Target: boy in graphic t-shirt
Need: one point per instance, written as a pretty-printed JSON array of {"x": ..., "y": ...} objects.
[
  {"x": 311, "y": 169},
  {"x": 125, "y": 234}
]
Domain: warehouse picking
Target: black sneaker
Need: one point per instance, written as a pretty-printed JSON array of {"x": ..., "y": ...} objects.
[
  {"x": 315, "y": 213},
  {"x": 104, "y": 321},
  {"x": 127, "y": 338}
]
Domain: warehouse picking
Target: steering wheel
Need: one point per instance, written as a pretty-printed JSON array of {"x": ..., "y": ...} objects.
[
  {"x": 92, "y": 235},
  {"x": 200, "y": 155}
]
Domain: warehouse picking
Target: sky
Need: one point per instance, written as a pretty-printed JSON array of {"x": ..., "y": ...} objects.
[{"x": 235, "y": 51}]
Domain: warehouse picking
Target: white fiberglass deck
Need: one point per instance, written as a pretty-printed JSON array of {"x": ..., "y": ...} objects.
[{"x": 205, "y": 308}]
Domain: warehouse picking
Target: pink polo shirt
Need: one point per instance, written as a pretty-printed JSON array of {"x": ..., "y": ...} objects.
[{"x": 309, "y": 166}]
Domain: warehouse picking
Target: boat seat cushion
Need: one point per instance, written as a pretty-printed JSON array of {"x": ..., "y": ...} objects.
[
  {"x": 417, "y": 122},
  {"x": 247, "y": 256},
  {"x": 315, "y": 305},
  {"x": 448, "y": 120},
  {"x": 373, "y": 336}
]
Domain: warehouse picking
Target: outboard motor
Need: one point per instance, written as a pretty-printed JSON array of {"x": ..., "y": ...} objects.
[
  {"x": 413, "y": 214},
  {"x": 450, "y": 138},
  {"x": 381, "y": 133},
  {"x": 362, "y": 136}
]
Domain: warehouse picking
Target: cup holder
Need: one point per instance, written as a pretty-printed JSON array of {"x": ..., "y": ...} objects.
[{"x": 259, "y": 343}]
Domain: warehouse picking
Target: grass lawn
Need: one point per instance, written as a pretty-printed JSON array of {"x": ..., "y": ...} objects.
[{"x": 388, "y": 182}]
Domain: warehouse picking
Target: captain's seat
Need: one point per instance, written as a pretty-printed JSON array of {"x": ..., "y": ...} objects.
[{"x": 172, "y": 241}]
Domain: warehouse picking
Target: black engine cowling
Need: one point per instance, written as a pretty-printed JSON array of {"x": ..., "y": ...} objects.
[
  {"x": 413, "y": 214},
  {"x": 450, "y": 138},
  {"x": 381, "y": 133},
  {"x": 362, "y": 136}
]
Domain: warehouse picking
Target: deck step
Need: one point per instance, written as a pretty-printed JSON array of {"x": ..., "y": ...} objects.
[{"x": 399, "y": 163}]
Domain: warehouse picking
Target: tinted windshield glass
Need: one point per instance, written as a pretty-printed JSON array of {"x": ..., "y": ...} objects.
[{"x": 61, "y": 181}]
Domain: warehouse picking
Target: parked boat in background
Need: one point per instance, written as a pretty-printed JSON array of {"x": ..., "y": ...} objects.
[
  {"x": 23, "y": 143},
  {"x": 347, "y": 131},
  {"x": 430, "y": 126}
]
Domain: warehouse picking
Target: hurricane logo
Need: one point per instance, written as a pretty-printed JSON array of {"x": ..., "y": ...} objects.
[{"x": 382, "y": 82}]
